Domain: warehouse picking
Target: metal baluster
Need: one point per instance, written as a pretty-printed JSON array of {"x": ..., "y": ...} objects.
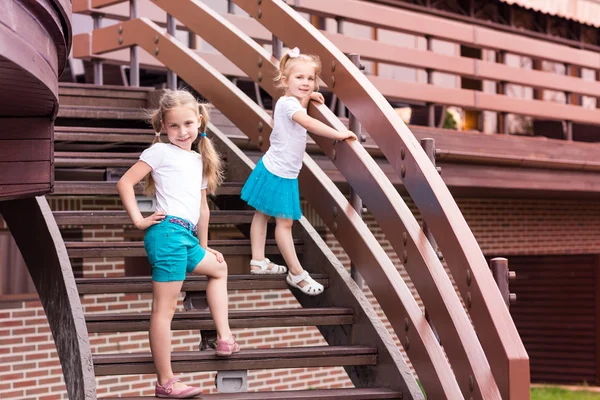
[
  {"x": 134, "y": 68},
  {"x": 98, "y": 67},
  {"x": 171, "y": 30}
]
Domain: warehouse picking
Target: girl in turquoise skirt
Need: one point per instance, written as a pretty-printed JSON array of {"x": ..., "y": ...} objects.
[{"x": 272, "y": 188}]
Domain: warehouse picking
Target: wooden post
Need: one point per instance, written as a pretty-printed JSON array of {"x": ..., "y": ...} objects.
[{"x": 502, "y": 276}]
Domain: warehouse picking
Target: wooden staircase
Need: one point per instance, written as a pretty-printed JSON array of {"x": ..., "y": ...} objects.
[
  {"x": 86, "y": 152},
  {"x": 100, "y": 131}
]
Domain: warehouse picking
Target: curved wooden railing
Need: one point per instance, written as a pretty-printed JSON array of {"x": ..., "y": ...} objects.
[
  {"x": 490, "y": 315},
  {"x": 354, "y": 236}
]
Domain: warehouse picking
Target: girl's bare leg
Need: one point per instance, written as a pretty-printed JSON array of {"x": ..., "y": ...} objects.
[
  {"x": 258, "y": 237},
  {"x": 285, "y": 242},
  {"x": 216, "y": 292},
  {"x": 164, "y": 304}
]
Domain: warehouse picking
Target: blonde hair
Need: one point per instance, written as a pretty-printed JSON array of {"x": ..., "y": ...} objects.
[
  {"x": 287, "y": 63},
  {"x": 211, "y": 161}
]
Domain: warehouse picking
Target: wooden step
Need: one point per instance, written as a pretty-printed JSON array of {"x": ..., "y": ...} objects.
[
  {"x": 121, "y": 218},
  {"x": 192, "y": 283},
  {"x": 103, "y": 112},
  {"x": 61, "y": 162},
  {"x": 85, "y": 188},
  {"x": 78, "y": 94},
  {"x": 136, "y": 248},
  {"x": 96, "y": 159},
  {"x": 102, "y": 135},
  {"x": 247, "y": 359},
  {"x": 318, "y": 394},
  {"x": 135, "y": 322}
]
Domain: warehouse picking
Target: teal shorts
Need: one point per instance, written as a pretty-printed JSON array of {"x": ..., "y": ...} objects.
[{"x": 173, "y": 250}]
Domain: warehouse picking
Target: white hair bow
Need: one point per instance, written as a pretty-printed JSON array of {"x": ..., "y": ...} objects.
[{"x": 293, "y": 53}]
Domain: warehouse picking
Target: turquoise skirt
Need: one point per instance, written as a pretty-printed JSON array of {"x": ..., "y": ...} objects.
[{"x": 271, "y": 194}]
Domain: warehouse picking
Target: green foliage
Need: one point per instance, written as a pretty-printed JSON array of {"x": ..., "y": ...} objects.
[
  {"x": 449, "y": 121},
  {"x": 552, "y": 393}
]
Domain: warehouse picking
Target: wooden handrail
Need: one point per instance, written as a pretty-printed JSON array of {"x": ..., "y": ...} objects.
[
  {"x": 354, "y": 236},
  {"x": 490, "y": 316}
]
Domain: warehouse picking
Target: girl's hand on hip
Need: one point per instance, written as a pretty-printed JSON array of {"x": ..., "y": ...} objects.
[
  {"x": 217, "y": 254},
  {"x": 153, "y": 219}
]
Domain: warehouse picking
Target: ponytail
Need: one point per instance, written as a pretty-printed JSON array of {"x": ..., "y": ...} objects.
[{"x": 212, "y": 166}]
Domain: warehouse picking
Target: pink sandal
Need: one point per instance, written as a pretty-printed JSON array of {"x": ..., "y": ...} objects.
[
  {"x": 167, "y": 391},
  {"x": 225, "y": 349}
]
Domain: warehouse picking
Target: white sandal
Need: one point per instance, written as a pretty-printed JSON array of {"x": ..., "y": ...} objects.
[
  {"x": 264, "y": 268},
  {"x": 312, "y": 288}
]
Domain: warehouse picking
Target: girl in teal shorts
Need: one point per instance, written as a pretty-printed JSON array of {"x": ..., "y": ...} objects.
[{"x": 176, "y": 235}]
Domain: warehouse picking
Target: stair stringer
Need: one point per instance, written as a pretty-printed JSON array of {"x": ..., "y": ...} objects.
[{"x": 33, "y": 227}]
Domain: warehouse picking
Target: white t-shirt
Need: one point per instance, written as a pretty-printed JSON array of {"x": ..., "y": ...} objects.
[
  {"x": 288, "y": 140},
  {"x": 179, "y": 180}
]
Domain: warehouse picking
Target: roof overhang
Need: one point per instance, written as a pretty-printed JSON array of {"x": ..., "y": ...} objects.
[{"x": 583, "y": 11}]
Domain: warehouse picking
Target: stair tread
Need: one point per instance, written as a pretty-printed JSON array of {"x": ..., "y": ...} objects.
[
  {"x": 263, "y": 358},
  {"x": 135, "y": 322},
  {"x": 211, "y": 242},
  {"x": 104, "y": 188},
  {"x": 121, "y": 217},
  {"x": 97, "y": 154},
  {"x": 87, "y": 129},
  {"x": 248, "y": 354},
  {"x": 104, "y": 88},
  {"x": 278, "y": 312},
  {"x": 321, "y": 394},
  {"x": 100, "y": 112},
  {"x": 93, "y": 249},
  {"x": 143, "y": 284}
]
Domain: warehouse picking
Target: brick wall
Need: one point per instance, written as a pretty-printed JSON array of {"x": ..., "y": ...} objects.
[{"x": 29, "y": 367}]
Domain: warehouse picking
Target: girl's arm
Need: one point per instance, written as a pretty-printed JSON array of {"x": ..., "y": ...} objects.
[
  {"x": 203, "y": 221},
  {"x": 127, "y": 193},
  {"x": 203, "y": 227},
  {"x": 317, "y": 127}
]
